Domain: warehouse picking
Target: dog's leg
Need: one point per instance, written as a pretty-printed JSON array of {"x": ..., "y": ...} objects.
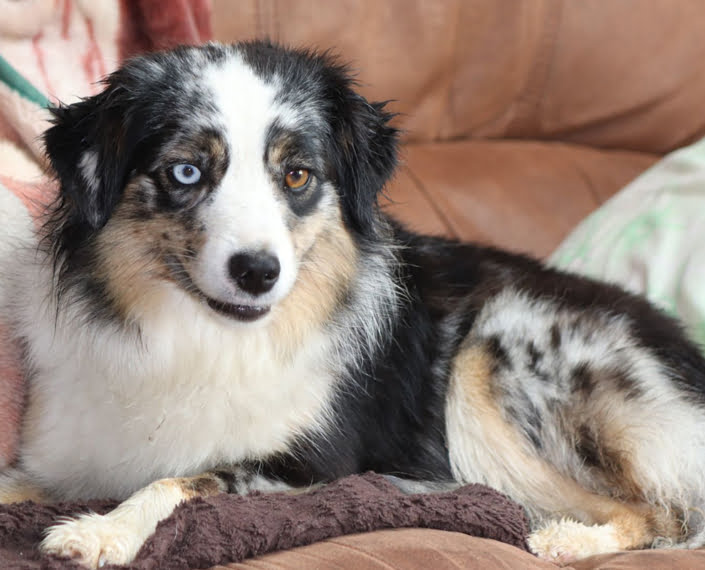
[
  {"x": 16, "y": 487},
  {"x": 485, "y": 447},
  {"x": 115, "y": 538},
  {"x": 618, "y": 526}
]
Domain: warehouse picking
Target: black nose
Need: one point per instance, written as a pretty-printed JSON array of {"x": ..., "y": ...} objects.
[{"x": 255, "y": 272}]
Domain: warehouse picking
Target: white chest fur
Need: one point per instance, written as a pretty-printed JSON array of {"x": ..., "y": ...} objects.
[{"x": 110, "y": 412}]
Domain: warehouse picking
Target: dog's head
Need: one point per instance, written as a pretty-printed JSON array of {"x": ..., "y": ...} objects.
[{"x": 217, "y": 169}]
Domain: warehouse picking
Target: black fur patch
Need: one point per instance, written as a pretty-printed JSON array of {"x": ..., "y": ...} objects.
[
  {"x": 587, "y": 447},
  {"x": 583, "y": 379},
  {"x": 535, "y": 357},
  {"x": 555, "y": 337},
  {"x": 499, "y": 354},
  {"x": 626, "y": 384}
]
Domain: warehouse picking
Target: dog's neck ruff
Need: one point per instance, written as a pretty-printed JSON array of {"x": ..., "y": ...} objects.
[{"x": 182, "y": 390}]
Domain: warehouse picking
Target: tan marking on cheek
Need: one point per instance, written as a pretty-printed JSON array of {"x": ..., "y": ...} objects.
[
  {"x": 131, "y": 253},
  {"x": 309, "y": 230},
  {"x": 129, "y": 270},
  {"x": 325, "y": 273}
]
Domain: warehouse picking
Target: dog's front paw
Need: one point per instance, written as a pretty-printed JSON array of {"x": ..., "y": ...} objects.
[
  {"x": 566, "y": 541},
  {"x": 93, "y": 541}
]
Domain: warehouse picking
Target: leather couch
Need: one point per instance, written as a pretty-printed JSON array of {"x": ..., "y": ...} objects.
[{"x": 520, "y": 118}]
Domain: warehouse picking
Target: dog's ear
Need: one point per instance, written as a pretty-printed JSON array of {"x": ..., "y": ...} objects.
[
  {"x": 365, "y": 156},
  {"x": 89, "y": 149}
]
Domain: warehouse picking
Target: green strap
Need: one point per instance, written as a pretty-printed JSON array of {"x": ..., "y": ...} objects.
[{"x": 13, "y": 79}]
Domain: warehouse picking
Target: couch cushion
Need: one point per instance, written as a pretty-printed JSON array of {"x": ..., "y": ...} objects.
[
  {"x": 407, "y": 549},
  {"x": 639, "y": 559},
  {"x": 424, "y": 549},
  {"x": 519, "y": 195}
]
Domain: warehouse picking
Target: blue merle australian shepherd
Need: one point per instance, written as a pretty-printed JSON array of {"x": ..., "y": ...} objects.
[{"x": 217, "y": 304}]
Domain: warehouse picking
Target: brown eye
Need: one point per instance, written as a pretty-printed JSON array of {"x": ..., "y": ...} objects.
[{"x": 297, "y": 179}]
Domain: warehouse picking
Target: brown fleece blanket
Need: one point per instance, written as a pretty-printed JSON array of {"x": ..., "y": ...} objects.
[{"x": 230, "y": 528}]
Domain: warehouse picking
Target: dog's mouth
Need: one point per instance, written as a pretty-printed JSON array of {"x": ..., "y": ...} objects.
[{"x": 245, "y": 313}]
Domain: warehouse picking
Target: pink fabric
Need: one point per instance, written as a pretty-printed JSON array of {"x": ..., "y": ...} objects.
[
  {"x": 34, "y": 195},
  {"x": 71, "y": 47},
  {"x": 12, "y": 386},
  {"x": 64, "y": 48}
]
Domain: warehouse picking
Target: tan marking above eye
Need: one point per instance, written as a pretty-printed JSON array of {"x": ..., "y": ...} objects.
[{"x": 297, "y": 179}]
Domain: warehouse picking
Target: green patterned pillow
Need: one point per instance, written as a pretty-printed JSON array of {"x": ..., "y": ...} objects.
[{"x": 650, "y": 238}]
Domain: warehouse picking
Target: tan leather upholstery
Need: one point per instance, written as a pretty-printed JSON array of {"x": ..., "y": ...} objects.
[
  {"x": 484, "y": 87},
  {"x": 514, "y": 194},
  {"x": 407, "y": 549},
  {"x": 426, "y": 549}
]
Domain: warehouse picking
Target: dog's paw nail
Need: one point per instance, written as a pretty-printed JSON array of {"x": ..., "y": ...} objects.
[{"x": 561, "y": 555}]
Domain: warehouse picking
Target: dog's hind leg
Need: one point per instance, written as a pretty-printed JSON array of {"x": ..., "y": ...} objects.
[
  {"x": 116, "y": 537},
  {"x": 617, "y": 526},
  {"x": 486, "y": 447},
  {"x": 620, "y": 526}
]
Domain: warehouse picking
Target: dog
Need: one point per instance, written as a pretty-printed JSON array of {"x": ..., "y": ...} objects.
[{"x": 217, "y": 303}]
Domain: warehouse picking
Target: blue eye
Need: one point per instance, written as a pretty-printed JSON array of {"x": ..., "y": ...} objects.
[{"x": 186, "y": 174}]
